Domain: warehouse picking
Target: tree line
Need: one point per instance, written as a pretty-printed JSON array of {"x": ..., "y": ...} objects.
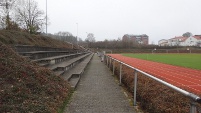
[
  {"x": 64, "y": 36},
  {"x": 117, "y": 44},
  {"x": 68, "y": 37},
  {"x": 21, "y": 15}
]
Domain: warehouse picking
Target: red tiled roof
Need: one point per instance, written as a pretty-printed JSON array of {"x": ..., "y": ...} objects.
[
  {"x": 197, "y": 37},
  {"x": 180, "y": 37}
]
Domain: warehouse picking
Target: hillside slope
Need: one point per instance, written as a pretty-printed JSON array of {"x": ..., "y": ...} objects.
[
  {"x": 25, "y": 86},
  {"x": 22, "y": 38}
]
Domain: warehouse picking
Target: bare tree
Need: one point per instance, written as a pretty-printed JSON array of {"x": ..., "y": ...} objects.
[
  {"x": 90, "y": 38},
  {"x": 65, "y": 36},
  {"x": 65, "y": 33},
  {"x": 29, "y": 17}
]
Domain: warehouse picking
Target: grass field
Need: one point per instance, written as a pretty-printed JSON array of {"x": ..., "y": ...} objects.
[{"x": 184, "y": 60}]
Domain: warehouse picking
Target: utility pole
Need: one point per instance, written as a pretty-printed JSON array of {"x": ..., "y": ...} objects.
[
  {"x": 87, "y": 41},
  {"x": 77, "y": 34},
  {"x": 46, "y": 17},
  {"x": 29, "y": 21}
]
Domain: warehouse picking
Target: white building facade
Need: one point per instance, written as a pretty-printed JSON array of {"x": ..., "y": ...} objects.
[
  {"x": 181, "y": 41},
  {"x": 191, "y": 41},
  {"x": 163, "y": 42}
]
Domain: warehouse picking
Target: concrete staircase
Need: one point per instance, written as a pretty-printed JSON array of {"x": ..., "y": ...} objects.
[{"x": 66, "y": 63}]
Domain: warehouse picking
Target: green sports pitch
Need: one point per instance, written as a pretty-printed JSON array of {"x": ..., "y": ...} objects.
[{"x": 185, "y": 60}]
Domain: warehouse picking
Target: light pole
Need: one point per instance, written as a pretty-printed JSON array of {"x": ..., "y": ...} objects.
[
  {"x": 29, "y": 20},
  {"x": 87, "y": 41},
  {"x": 77, "y": 34},
  {"x": 46, "y": 17}
]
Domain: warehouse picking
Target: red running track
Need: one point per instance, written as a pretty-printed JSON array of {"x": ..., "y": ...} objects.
[{"x": 184, "y": 78}]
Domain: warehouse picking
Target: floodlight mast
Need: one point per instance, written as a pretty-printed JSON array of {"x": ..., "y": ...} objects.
[
  {"x": 29, "y": 15},
  {"x": 46, "y": 17},
  {"x": 77, "y": 34}
]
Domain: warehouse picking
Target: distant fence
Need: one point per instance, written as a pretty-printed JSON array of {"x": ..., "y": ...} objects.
[
  {"x": 154, "y": 51},
  {"x": 194, "y": 98}
]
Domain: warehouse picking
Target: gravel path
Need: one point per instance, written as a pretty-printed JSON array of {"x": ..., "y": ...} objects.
[{"x": 98, "y": 92}]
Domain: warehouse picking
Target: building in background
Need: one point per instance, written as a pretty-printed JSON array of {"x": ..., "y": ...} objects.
[
  {"x": 198, "y": 37},
  {"x": 163, "y": 42},
  {"x": 177, "y": 41},
  {"x": 139, "y": 39},
  {"x": 181, "y": 41}
]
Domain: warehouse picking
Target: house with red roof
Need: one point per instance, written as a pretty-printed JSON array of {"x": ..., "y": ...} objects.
[
  {"x": 182, "y": 41},
  {"x": 175, "y": 41},
  {"x": 198, "y": 37},
  {"x": 189, "y": 41}
]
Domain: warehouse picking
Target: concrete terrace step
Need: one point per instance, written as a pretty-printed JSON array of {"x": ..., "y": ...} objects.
[
  {"x": 82, "y": 65},
  {"x": 74, "y": 80},
  {"x": 28, "y": 48},
  {"x": 44, "y": 64},
  {"x": 66, "y": 64},
  {"x": 27, "y": 57},
  {"x": 57, "y": 59},
  {"x": 58, "y": 73},
  {"x": 73, "y": 75},
  {"x": 43, "y": 54}
]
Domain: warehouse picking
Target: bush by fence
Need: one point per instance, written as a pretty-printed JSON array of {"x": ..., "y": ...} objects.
[{"x": 152, "y": 96}]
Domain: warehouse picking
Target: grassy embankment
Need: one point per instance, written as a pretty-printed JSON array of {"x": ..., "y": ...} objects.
[
  {"x": 185, "y": 60},
  {"x": 25, "y": 86},
  {"x": 22, "y": 38}
]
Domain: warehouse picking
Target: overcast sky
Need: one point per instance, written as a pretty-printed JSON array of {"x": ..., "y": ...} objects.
[{"x": 110, "y": 19}]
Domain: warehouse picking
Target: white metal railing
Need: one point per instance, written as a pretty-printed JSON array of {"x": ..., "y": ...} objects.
[{"x": 194, "y": 98}]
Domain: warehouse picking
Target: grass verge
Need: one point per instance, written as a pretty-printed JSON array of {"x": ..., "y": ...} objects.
[
  {"x": 66, "y": 101},
  {"x": 185, "y": 60}
]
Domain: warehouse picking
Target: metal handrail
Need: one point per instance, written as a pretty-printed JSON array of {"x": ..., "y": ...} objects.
[{"x": 193, "y": 97}]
